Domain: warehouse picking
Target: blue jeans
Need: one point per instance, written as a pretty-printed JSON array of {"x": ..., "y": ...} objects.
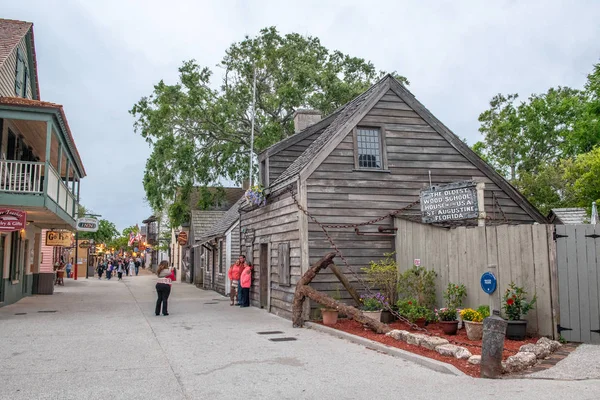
[{"x": 239, "y": 294}]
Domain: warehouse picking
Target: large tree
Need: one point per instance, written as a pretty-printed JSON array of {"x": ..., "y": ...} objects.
[
  {"x": 200, "y": 134},
  {"x": 540, "y": 144}
]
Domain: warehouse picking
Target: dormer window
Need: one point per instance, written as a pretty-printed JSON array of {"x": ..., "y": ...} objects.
[{"x": 369, "y": 149}]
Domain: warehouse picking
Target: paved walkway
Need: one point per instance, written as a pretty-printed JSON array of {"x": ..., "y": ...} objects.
[{"x": 104, "y": 342}]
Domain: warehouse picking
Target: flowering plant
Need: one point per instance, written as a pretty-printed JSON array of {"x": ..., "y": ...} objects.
[
  {"x": 514, "y": 303},
  {"x": 412, "y": 310},
  {"x": 374, "y": 302},
  {"x": 454, "y": 295},
  {"x": 446, "y": 314},
  {"x": 256, "y": 195},
  {"x": 468, "y": 314}
]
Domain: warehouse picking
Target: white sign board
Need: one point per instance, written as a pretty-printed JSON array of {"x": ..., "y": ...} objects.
[{"x": 87, "y": 225}]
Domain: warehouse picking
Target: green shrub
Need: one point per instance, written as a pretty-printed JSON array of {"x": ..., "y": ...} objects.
[
  {"x": 383, "y": 276},
  {"x": 484, "y": 311},
  {"x": 418, "y": 283}
]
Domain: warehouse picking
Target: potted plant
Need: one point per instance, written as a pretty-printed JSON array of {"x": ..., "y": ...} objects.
[
  {"x": 515, "y": 306},
  {"x": 372, "y": 305},
  {"x": 330, "y": 315},
  {"x": 383, "y": 275},
  {"x": 473, "y": 324},
  {"x": 414, "y": 312},
  {"x": 454, "y": 295},
  {"x": 448, "y": 320}
]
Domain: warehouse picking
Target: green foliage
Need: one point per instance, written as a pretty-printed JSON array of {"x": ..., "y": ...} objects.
[
  {"x": 514, "y": 302},
  {"x": 484, "y": 311},
  {"x": 411, "y": 309},
  {"x": 374, "y": 302},
  {"x": 454, "y": 295},
  {"x": 468, "y": 314},
  {"x": 418, "y": 283},
  {"x": 546, "y": 144},
  {"x": 200, "y": 135},
  {"x": 447, "y": 314},
  {"x": 383, "y": 275}
]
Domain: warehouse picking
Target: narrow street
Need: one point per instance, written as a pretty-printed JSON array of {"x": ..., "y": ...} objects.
[{"x": 100, "y": 339}]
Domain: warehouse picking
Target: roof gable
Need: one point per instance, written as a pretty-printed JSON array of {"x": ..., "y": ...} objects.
[
  {"x": 231, "y": 196},
  {"x": 354, "y": 110},
  {"x": 227, "y": 221},
  {"x": 11, "y": 34},
  {"x": 568, "y": 216}
]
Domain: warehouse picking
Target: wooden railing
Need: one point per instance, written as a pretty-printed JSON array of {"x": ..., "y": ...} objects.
[{"x": 21, "y": 177}]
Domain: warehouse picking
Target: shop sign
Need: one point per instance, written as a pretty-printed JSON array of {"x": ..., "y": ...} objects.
[
  {"x": 59, "y": 238},
  {"x": 182, "y": 238},
  {"x": 84, "y": 245},
  {"x": 87, "y": 225},
  {"x": 12, "y": 220}
]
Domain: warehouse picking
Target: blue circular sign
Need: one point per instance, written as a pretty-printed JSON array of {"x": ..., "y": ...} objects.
[{"x": 488, "y": 282}]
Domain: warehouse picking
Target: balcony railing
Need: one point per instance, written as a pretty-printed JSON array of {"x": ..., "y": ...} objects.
[{"x": 21, "y": 177}]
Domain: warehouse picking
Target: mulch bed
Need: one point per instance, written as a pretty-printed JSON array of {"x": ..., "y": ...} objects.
[{"x": 511, "y": 347}]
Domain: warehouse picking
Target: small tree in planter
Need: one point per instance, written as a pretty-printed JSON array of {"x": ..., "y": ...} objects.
[
  {"x": 454, "y": 295},
  {"x": 448, "y": 320},
  {"x": 414, "y": 312},
  {"x": 418, "y": 283},
  {"x": 515, "y": 306},
  {"x": 330, "y": 315},
  {"x": 383, "y": 275}
]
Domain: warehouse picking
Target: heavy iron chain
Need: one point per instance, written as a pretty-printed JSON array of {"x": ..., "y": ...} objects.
[{"x": 358, "y": 278}]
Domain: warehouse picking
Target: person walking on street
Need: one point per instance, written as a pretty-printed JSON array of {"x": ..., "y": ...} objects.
[
  {"x": 137, "y": 266},
  {"x": 109, "y": 271},
  {"x": 131, "y": 266},
  {"x": 163, "y": 287},
  {"x": 120, "y": 271},
  {"x": 100, "y": 270},
  {"x": 234, "y": 276},
  {"x": 69, "y": 267},
  {"x": 246, "y": 282}
]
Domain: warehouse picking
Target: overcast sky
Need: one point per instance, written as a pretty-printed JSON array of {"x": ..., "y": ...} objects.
[{"x": 98, "y": 58}]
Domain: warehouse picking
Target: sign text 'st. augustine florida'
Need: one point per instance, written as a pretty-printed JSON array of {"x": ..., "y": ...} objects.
[{"x": 451, "y": 202}]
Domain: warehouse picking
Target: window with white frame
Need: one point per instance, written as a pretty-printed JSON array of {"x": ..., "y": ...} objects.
[{"x": 368, "y": 148}]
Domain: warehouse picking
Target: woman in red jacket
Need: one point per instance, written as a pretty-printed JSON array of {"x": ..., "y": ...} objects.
[
  {"x": 234, "y": 276},
  {"x": 246, "y": 282}
]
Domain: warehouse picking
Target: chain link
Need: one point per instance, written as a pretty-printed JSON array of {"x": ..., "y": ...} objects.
[{"x": 356, "y": 276}]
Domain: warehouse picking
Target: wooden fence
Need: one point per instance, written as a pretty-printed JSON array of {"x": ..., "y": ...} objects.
[{"x": 521, "y": 253}]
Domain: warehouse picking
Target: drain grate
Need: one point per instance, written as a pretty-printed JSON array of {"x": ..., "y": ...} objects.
[
  {"x": 270, "y": 333},
  {"x": 213, "y": 302},
  {"x": 21, "y": 313},
  {"x": 48, "y": 311},
  {"x": 283, "y": 339}
]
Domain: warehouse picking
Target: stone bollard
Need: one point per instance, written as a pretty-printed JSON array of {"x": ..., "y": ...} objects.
[{"x": 494, "y": 330}]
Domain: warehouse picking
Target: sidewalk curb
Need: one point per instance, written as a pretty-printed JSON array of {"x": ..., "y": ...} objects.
[{"x": 426, "y": 362}]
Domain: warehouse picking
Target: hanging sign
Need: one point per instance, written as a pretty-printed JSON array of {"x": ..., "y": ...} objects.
[
  {"x": 12, "y": 220},
  {"x": 451, "y": 202},
  {"x": 59, "y": 238},
  {"x": 182, "y": 238},
  {"x": 84, "y": 244},
  {"x": 87, "y": 225},
  {"x": 488, "y": 282}
]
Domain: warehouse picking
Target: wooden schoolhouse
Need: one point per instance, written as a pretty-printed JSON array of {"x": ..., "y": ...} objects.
[{"x": 370, "y": 157}]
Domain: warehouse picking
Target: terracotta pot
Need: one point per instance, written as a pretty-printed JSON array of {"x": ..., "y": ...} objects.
[
  {"x": 449, "y": 327},
  {"x": 516, "y": 330},
  {"x": 376, "y": 315},
  {"x": 330, "y": 316},
  {"x": 421, "y": 322},
  {"x": 474, "y": 330}
]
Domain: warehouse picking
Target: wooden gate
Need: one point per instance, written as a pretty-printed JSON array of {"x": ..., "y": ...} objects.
[{"x": 578, "y": 259}]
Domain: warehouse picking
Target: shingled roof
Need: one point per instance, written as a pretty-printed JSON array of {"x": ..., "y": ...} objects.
[
  {"x": 568, "y": 216},
  {"x": 226, "y": 222},
  {"x": 232, "y": 194},
  {"x": 11, "y": 33},
  {"x": 341, "y": 116}
]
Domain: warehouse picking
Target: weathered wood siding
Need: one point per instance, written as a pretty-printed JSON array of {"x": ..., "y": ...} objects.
[
  {"x": 235, "y": 243},
  {"x": 8, "y": 69},
  {"x": 339, "y": 194},
  {"x": 273, "y": 224},
  {"x": 280, "y": 161},
  {"x": 520, "y": 252}
]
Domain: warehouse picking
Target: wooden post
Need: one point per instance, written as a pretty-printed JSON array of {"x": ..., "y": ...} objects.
[
  {"x": 481, "y": 203},
  {"x": 342, "y": 278}
]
